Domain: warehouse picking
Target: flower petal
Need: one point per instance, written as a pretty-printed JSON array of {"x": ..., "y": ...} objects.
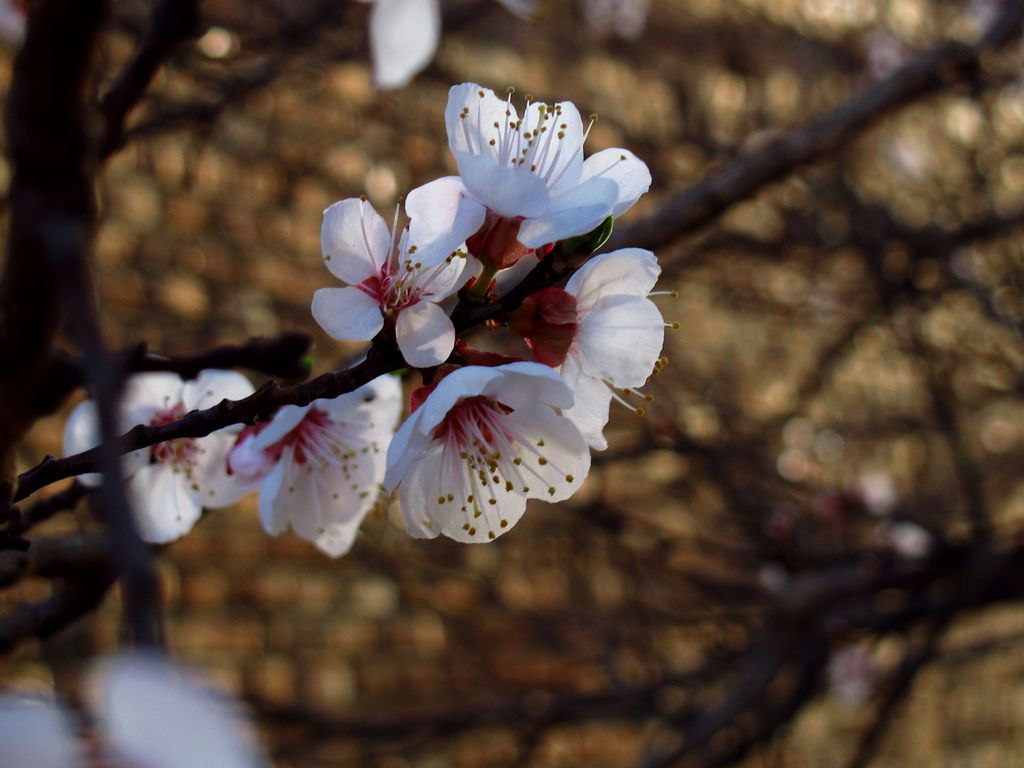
[
  {"x": 557, "y": 456},
  {"x": 166, "y": 507},
  {"x": 558, "y": 132},
  {"x": 347, "y": 313},
  {"x": 217, "y": 488},
  {"x": 470, "y": 116},
  {"x": 576, "y": 212},
  {"x": 593, "y": 400},
  {"x": 403, "y": 38},
  {"x": 274, "y": 519},
  {"x": 507, "y": 190},
  {"x": 620, "y": 339},
  {"x": 436, "y": 476},
  {"x": 631, "y": 271},
  {"x": 155, "y": 716},
  {"x": 443, "y": 216},
  {"x": 35, "y": 734},
  {"x": 526, "y": 384},
  {"x": 287, "y": 418},
  {"x": 441, "y": 281},
  {"x": 406, "y": 447},
  {"x": 354, "y": 239},
  {"x": 629, "y": 173},
  {"x": 425, "y": 334},
  {"x": 147, "y": 393},
  {"x": 464, "y": 382},
  {"x": 213, "y": 386},
  {"x": 326, "y": 503}
]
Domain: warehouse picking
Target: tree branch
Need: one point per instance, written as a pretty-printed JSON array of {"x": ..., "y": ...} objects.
[{"x": 748, "y": 173}]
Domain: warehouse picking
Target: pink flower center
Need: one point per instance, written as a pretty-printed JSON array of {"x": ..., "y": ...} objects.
[
  {"x": 181, "y": 453},
  {"x": 473, "y": 423},
  {"x": 394, "y": 288},
  {"x": 310, "y": 438}
]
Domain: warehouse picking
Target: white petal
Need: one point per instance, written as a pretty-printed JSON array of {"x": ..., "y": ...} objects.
[
  {"x": 274, "y": 523},
  {"x": 35, "y": 734},
  {"x": 406, "y": 446},
  {"x": 526, "y": 384},
  {"x": 347, "y": 313},
  {"x": 576, "y": 212},
  {"x": 629, "y": 173},
  {"x": 506, "y": 190},
  {"x": 593, "y": 399},
  {"x": 327, "y": 503},
  {"x": 425, "y": 516},
  {"x": 147, "y": 393},
  {"x": 620, "y": 339},
  {"x": 464, "y": 382},
  {"x": 483, "y": 109},
  {"x": 217, "y": 488},
  {"x": 337, "y": 538},
  {"x": 166, "y": 507},
  {"x": 631, "y": 271},
  {"x": 443, "y": 216},
  {"x": 560, "y": 163},
  {"x": 561, "y": 464},
  {"x": 508, "y": 279},
  {"x": 155, "y": 716},
  {"x": 441, "y": 281},
  {"x": 354, "y": 240},
  {"x": 287, "y": 418},
  {"x": 372, "y": 409},
  {"x": 82, "y": 432},
  {"x": 403, "y": 38},
  {"x": 425, "y": 334},
  {"x": 212, "y": 386}
]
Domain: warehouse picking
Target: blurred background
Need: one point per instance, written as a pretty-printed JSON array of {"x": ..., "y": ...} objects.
[{"x": 845, "y": 388}]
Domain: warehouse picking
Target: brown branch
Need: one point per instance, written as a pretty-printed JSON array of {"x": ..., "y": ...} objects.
[
  {"x": 283, "y": 357},
  {"x": 742, "y": 177},
  {"x": 172, "y": 22},
  {"x": 72, "y": 600},
  {"x": 56, "y": 558},
  {"x": 22, "y": 522}
]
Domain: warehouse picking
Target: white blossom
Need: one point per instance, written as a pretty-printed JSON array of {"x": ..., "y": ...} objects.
[
  {"x": 401, "y": 286},
  {"x": 527, "y": 175},
  {"x": 404, "y": 35},
  {"x": 483, "y": 442},
  {"x": 170, "y": 482},
  {"x": 319, "y": 467}
]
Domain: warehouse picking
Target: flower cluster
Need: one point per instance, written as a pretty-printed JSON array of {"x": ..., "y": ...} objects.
[{"x": 487, "y": 432}]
